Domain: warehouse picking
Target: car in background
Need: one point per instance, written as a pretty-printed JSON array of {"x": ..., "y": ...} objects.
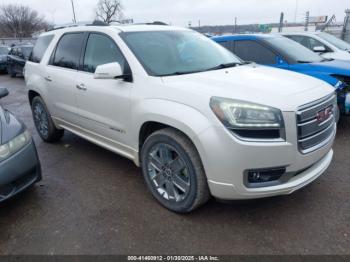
[
  {"x": 4, "y": 50},
  {"x": 283, "y": 53},
  {"x": 17, "y": 58},
  {"x": 19, "y": 163},
  {"x": 327, "y": 45}
]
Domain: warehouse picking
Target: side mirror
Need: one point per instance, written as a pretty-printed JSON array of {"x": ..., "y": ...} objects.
[
  {"x": 280, "y": 61},
  {"x": 109, "y": 71},
  {"x": 3, "y": 92},
  {"x": 319, "y": 49}
]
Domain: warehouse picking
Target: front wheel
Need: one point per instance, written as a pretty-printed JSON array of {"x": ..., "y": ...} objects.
[
  {"x": 43, "y": 122},
  {"x": 173, "y": 171}
]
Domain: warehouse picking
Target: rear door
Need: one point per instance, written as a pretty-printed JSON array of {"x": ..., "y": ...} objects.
[
  {"x": 104, "y": 104},
  {"x": 61, "y": 76}
]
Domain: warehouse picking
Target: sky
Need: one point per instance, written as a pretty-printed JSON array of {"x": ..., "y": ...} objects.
[{"x": 181, "y": 12}]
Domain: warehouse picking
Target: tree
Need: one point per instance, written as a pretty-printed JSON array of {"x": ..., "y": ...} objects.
[
  {"x": 109, "y": 11},
  {"x": 20, "y": 21}
]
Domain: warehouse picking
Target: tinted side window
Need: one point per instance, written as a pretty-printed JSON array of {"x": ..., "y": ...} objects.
[
  {"x": 101, "y": 50},
  {"x": 255, "y": 52},
  {"x": 227, "y": 44},
  {"x": 68, "y": 51},
  {"x": 40, "y": 48}
]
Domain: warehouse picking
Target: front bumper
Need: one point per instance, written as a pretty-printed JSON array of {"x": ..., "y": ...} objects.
[
  {"x": 226, "y": 160},
  {"x": 19, "y": 172}
]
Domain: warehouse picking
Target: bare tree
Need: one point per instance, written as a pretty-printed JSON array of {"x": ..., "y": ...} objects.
[
  {"x": 109, "y": 10},
  {"x": 20, "y": 21}
]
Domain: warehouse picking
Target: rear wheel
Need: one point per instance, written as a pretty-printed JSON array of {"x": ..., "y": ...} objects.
[
  {"x": 173, "y": 171},
  {"x": 43, "y": 122}
]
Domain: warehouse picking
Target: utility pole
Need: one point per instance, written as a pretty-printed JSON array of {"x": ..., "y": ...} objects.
[
  {"x": 281, "y": 23},
  {"x": 307, "y": 19},
  {"x": 74, "y": 17},
  {"x": 235, "y": 25},
  {"x": 346, "y": 27},
  {"x": 296, "y": 10}
]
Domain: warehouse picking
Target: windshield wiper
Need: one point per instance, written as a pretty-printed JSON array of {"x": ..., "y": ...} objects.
[
  {"x": 304, "y": 62},
  {"x": 222, "y": 66},
  {"x": 178, "y": 73},
  {"x": 327, "y": 59}
]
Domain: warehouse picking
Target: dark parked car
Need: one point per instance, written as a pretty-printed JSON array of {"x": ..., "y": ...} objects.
[
  {"x": 17, "y": 58},
  {"x": 19, "y": 163},
  {"x": 4, "y": 50}
]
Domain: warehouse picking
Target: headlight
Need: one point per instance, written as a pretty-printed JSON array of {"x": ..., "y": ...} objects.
[
  {"x": 14, "y": 145},
  {"x": 248, "y": 120}
]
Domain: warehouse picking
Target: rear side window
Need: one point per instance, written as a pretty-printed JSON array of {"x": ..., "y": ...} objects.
[
  {"x": 308, "y": 42},
  {"x": 101, "y": 50},
  {"x": 68, "y": 50},
  {"x": 255, "y": 52},
  {"x": 40, "y": 48}
]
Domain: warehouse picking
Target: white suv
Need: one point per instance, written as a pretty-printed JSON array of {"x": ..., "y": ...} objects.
[
  {"x": 198, "y": 120},
  {"x": 327, "y": 45}
]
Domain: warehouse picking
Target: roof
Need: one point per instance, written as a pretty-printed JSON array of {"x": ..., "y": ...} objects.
[{"x": 244, "y": 37}]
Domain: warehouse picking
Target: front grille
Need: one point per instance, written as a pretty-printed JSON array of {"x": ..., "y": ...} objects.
[{"x": 316, "y": 123}]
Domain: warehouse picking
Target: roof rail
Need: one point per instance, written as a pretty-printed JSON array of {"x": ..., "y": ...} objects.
[
  {"x": 149, "y": 23},
  {"x": 93, "y": 23}
]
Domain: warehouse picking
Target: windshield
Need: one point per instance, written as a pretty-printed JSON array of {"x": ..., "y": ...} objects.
[
  {"x": 335, "y": 41},
  {"x": 26, "y": 50},
  {"x": 164, "y": 53},
  {"x": 293, "y": 50},
  {"x": 4, "y": 50}
]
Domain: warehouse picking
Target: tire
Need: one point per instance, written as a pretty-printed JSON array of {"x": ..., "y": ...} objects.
[
  {"x": 180, "y": 167},
  {"x": 43, "y": 122}
]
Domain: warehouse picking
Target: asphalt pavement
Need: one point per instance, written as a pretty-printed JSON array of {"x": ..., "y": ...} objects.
[{"x": 92, "y": 201}]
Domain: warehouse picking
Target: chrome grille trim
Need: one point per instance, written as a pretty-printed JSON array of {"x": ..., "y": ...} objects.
[{"x": 313, "y": 135}]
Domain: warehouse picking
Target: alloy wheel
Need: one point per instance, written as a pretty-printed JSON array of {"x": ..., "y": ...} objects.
[{"x": 168, "y": 172}]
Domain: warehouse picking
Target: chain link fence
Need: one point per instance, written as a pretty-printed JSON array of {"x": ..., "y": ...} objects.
[{"x": 16, "y": 41}]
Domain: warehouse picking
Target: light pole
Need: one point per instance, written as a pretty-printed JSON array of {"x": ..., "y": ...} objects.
[
  {"x": 74, "y": 17},
  {"x": 296, "y": 10}
]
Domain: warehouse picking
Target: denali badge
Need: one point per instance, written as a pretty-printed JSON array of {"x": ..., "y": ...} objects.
[{"x": 324, "y": 114}]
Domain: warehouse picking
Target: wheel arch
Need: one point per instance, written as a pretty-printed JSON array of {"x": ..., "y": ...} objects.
[{"x": 185, "y": 119}]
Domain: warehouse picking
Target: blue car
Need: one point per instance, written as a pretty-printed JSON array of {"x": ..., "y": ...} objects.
[{"x": 281, "y": 52}]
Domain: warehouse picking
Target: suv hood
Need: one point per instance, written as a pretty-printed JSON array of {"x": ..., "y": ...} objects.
[
  {"x": 335, "y": 67},
  {"x": 282, "y": 89},
  {"x": 324, "y": 70}
]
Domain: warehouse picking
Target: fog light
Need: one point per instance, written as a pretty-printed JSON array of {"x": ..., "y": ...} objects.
[{"x": 263, "y": 176}]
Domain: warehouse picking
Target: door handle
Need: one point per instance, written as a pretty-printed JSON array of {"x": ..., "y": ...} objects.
[
  {"x": 81, "y": 87},
  {"x": 48, "y": 79}
]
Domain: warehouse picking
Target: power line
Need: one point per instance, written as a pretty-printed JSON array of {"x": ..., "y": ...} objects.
[{"x": 74, "y": 17}]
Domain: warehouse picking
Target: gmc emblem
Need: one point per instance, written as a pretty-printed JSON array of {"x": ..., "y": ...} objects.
[{"x": 324, "y": 114}]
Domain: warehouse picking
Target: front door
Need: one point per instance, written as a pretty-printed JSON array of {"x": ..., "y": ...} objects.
[{"x": 104, "y": 104}]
